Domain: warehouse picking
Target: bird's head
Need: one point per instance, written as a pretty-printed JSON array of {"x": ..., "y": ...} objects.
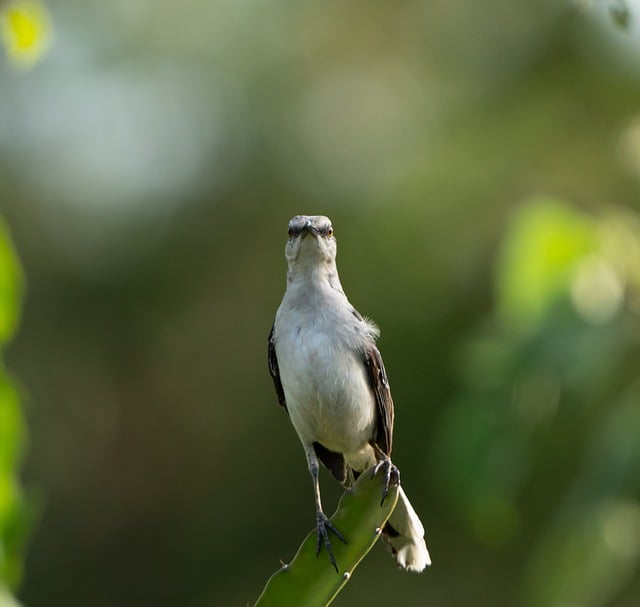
[{"x": 311, "y": 242}]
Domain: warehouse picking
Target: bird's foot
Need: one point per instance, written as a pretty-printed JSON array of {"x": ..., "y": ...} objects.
[
  {"x": 391, "y": 475},
  {"x": 323, "y": 526}
]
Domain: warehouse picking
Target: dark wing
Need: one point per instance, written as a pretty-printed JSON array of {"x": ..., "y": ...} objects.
[
  {"x": 334, "y": 462},
  {"x": 382, "y": 393},
  {"x": 274, "y": 370}
]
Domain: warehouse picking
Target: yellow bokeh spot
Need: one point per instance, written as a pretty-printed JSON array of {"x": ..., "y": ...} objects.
[{"x": 25, "y": 27}]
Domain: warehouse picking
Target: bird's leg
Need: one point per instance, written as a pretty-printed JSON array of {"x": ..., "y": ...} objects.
[
  {"x": 390, "y": 471},
  {"x": 323, "y": 524}
]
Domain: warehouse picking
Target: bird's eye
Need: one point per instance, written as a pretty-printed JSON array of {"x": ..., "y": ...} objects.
[
  {"x": 329, "y": 231},
  {"x": 290, "y": 232}
]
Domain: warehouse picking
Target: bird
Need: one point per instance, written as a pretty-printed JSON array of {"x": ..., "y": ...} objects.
[{"x": 329, "y": 376}]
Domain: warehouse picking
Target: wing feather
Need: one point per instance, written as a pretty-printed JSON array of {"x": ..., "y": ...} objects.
[
  {"x": 382, "y": 393},
  {"x": 273, "y": 368}
]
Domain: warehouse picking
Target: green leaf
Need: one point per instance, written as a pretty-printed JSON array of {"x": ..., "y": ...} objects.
[
  {"x": 16, "y": 514},
  {"x": 10, "y": 286},
  {"x": 11, "y": 427},
  {"x": 310, "y": 581},
  {"x": 539, "y": 257}
]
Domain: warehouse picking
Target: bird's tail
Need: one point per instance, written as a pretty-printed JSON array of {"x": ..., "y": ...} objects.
[{"x": 404, "y": 536}]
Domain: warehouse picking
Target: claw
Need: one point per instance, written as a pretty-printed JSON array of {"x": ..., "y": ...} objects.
[
  {"x": 323, "y": 526},
  {"x": 391, "y": 476}
]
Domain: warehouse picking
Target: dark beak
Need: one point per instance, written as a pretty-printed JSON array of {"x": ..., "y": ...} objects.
[
  {"x": 301, "y": 227},
  {"x": 309, "y": 228}
]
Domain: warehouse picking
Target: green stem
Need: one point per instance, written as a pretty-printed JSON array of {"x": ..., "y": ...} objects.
[{"x": 310, "y": 581}]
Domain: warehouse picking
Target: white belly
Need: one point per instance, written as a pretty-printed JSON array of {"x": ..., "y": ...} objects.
[{"x": 326, "y": 388}]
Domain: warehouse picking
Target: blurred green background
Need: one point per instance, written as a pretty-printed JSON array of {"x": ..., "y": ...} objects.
[{"x": 481, "y": 164}]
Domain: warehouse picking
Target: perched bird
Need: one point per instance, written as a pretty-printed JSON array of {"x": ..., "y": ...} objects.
[{"x": 329, "y": 376}]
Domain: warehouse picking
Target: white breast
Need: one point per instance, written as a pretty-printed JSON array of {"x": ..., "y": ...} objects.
[{"x": 324, "y": 378}]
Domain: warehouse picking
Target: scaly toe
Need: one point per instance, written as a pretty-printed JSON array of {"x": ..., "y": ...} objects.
[
  {"x": 323, "y": 526},
  {"x": 391, "y": 476}
]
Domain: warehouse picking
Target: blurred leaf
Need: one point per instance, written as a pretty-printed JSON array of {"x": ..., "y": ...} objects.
[
  {"x": 25, "y": 27},
  {"x": 557, "y": 269},
  {"x": 11, "y": 427},
  {"x": 310, "y": 580},
  {"x": 620, "y": 237},
  {"x": 18, "y": 523},
  {"x": 544, "y": 243},
  {"x": 613, "y": 465},
  {"x": 6, "y": 600},
  {"x": 592, "y": 549},
  {"x": 17, "y": 514},
  {"x": 10, "y": 286},
  {"x": 587, "y": 556},
  {"x": 14, "y": 511},
  {"x": 486, "y": 462},
  {"x": 620, "y": 14}
]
